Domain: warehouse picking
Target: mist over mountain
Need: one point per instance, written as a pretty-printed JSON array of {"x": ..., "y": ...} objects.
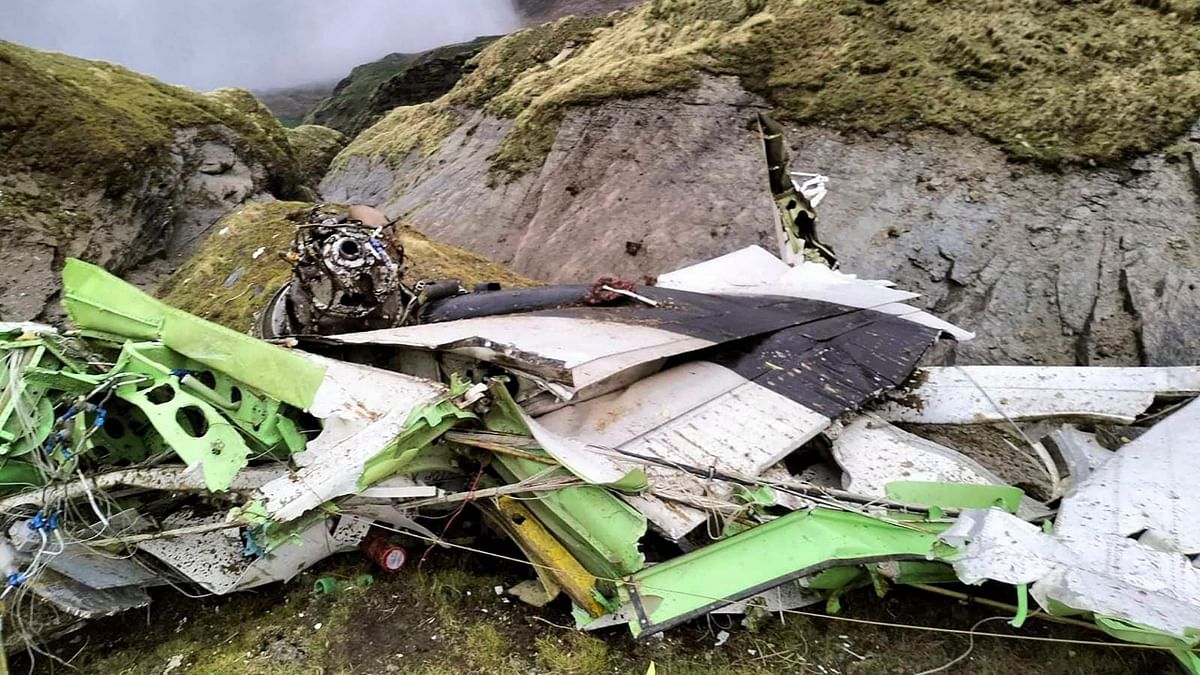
[{"x": 261, "y": 44}]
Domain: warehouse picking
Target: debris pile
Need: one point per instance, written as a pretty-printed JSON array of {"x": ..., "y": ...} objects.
[{"x": 746, "y": 435}]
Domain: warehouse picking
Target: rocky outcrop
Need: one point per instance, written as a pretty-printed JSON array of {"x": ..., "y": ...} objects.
[
  {"x": 1053, "y": 212},
  {"x": 1077, "y": 266},
  {"x": 116, "y": 168},
  {"x": 372, "y": 89},
  {"x": 1094, "y": 266},
  {"x": 629, "y": 188}
]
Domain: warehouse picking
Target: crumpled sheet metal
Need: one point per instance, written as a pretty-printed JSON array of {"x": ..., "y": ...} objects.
[
  {"x": 1149, "y": 485},
  {"x": 1092, "y": 562},
  {"x": 364, "y": 409},
  {"x": 699, "y": 414},
  {"x": 570, "y": 352},
  {"x": 873, "y": 453},
  {"x": 1110, "y": 576},
  {"x": 988, "y": 394},
  {"x": 217, "y": 560},
  {"x": 755, "y": 271}
]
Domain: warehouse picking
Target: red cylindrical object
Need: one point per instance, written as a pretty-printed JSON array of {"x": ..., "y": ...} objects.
[{"x": 388, "y": 556}]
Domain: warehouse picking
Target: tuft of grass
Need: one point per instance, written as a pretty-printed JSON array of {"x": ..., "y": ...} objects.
[
  {"x": 224, "y": 282},
  {"x": 1053, "y": 81},
  {"x": 573, "y": 654}
]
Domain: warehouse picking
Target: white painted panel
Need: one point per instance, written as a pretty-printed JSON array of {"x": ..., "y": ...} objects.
[
  {"x": 216, "y": 562},
  {"x": 873, "y": 453},
  {"x": 754, "y": 271},
  {"x": 1148, "y": 484},
  {"x": 1091, "y": 562},
  {"x": 590, "y": 349},
  {"x": 986, "y": 394},
  {"x": 363, "y": 409},
  {"x": 1111, "y": 576},
  {"x": 699, "y": 414}
]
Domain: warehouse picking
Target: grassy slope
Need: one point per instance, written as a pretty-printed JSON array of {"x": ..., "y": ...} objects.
[
  {"x": 199, "y": 286},
  {"x": 101, "y": 125},
  {"x": 1049, "y": 80},
  {"x": 315, "y": 147},
  {"x": 339, "y": 109},
  {"x": 348, "y": 107}
]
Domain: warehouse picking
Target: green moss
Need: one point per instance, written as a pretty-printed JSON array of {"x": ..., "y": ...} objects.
[
  {"x": 225, "y": 282},
  {"x": 350, "y": 96},
  {"x": 101, "y": 125},
  {"x": 405, "y": 130},
  {"x": 315, "y": 147},
  {"x": 1048, "y": 80}
]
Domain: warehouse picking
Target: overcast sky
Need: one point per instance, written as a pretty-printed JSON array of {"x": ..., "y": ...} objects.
[{"x": 207, "y": 44}]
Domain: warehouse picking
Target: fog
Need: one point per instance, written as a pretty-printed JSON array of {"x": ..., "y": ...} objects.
[{"x": 259, "y": 44}]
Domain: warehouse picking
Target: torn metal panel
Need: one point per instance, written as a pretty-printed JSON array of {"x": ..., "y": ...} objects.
[
  {"x": 986, "y": 394},
  {"x": 834, "y": 365},
  {"x": 1084, "y": 571},
  {"x": 873, "y": 453},
  {"x": 1081, "y": 453},
  {"x": 164, "y": 478},
  {"x": 97, "y": 300},
  {"x": 217, "y": 560},
  {"x": 1148, "y": 486},
  {"x": 754, "y": 271},
  {"x": 609, "y": 341},
  {"x": 79, "y": 600},
  {"x": 586, "y": 463},
  {"x": 97, "y": 568},
  {"x": 698, "y": 414},
  {"x": 365, "y": 410},
  {"x": 102, "y": 570},
  {"x": 797, "y": 545},
  {"x": 1122, "y": 545},
  {"x": 535, "y": 344}
]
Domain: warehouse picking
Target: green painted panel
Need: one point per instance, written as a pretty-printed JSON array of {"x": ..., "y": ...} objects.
[
  {"x": 97, "y": 300},
  {"x": 798, "y": 544}
]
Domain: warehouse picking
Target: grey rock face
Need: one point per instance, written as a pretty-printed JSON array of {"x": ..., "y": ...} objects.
[
  {"x": 1095, "y": 267},
  {"x": 1082, "y": 266},
  {"x": 678, "y": 178},
  {"x": 141, "y": 234}
]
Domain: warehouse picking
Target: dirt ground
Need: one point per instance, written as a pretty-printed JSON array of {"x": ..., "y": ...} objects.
[{"x": 446, "y": 617}]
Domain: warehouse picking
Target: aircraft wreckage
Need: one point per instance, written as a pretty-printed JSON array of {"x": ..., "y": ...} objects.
[{"x": 774, "y": 421}]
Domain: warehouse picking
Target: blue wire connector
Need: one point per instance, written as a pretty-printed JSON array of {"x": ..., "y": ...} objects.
[{"x": 40, "y": 522}]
